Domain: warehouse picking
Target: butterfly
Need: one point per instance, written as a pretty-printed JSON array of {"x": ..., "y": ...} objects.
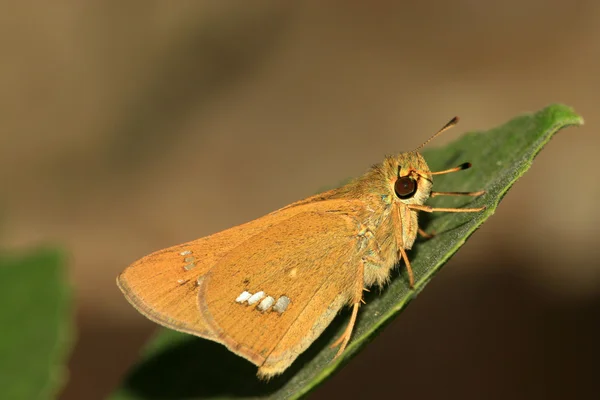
[{"x": 268, "y": 288}]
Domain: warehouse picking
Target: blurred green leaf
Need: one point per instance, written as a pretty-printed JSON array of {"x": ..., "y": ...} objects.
[
  {"x": 35, "y": 325},
  {"x": 182, "y": 366}
]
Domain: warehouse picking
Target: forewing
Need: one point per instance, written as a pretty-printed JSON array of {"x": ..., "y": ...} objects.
[
  {"x": 163, "y": 285},
  {"x": 310, "y": 261}
]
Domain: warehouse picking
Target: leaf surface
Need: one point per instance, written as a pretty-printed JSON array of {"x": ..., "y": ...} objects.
[
  {"x": 35, "y": 325},
  {"x": 181, "y": 366}
]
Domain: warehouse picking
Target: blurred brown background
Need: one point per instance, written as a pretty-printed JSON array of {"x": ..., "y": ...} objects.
[{"x": 131, "y": 126}]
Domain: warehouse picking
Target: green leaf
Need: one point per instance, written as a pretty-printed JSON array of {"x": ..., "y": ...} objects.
[
  {"x": 182, "y": 366},
  {"x": 35, "y": 323}
]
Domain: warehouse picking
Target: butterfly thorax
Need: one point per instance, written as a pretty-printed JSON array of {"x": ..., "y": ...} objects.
[{"x": 385, "y": 222}]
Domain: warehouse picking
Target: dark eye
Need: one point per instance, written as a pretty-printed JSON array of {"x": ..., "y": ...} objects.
[{"x": 405, "y": 187}]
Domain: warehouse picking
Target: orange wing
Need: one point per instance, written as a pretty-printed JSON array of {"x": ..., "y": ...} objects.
[
  {"x": 270, "y": 298},
  {"x": 173, "y": 286}
]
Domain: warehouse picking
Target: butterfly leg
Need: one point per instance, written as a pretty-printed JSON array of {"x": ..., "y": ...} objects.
[
  {"x": 401, "y": 248},
  {"x": 425, "y": 234},
  {"x": 411, "y": 275},
  {"x": 440, "y": 209},
  {"x": 343, "y": 340}
]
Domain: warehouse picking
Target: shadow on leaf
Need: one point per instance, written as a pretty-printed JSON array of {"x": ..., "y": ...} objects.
[{"x": 205, "y": 369}]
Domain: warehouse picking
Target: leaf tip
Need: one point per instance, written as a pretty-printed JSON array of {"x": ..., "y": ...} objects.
[{"x": 563, "y": 115}]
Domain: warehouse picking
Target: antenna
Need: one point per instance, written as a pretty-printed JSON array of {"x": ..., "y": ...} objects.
[{"x": 449, "y": 125}]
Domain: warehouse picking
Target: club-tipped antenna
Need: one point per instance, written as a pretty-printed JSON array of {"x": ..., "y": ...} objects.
[{"x": 449, "y": 125}]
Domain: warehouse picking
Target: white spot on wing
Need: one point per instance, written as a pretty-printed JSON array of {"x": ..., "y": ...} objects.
[
  {"x": 256, "y": 297},
  {"x": 282, "y": 304},
  {"x": 189, "y": 266},
  {"x": 266, "y": 303},
  {"x": 189, "y": 259},
  {"x": 243, "y": 297},
  {"x": 185, "y": 253}
]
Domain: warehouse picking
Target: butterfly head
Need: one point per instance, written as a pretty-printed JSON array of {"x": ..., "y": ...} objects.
[{"x": 409, "y": 178}]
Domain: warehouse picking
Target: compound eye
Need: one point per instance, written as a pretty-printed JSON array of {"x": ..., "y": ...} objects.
[{"x": 405, "y": 187}]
